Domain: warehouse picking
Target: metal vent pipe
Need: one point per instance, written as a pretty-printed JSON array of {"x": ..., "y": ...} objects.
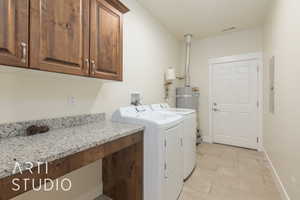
[{"x": 188, "y": 45}]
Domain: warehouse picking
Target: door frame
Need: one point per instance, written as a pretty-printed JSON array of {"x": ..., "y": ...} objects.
[{"x": 243, "y": 57}]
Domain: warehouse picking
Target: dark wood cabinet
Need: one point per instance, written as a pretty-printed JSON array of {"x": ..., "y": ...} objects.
[
  {"x": 14, "y": 23},
  {"x": 122, "y": 169},
  {"x": 59, "y": 34},
  {"x": 78, "y": 37},
  {"x": 106, "y": 40}
]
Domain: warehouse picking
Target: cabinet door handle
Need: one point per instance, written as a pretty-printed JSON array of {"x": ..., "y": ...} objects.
[
  {"x": 87, "y": 65},
  {"x": 93, "y": 67},
  {"x": 23, "y": 52}
]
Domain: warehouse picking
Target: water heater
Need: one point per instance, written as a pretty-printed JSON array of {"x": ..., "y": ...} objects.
[{"x": 187, "y": 96}]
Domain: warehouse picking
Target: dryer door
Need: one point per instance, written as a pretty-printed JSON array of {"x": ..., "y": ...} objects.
[{"x": 173, "y": 180}]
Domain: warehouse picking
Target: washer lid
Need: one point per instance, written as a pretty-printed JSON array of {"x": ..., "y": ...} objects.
[
  {"x": 181, "y": 111},
  {"x": 144, "y": 116},
  {"x": 157, "y": 107},
  {"x": 160, "y": 117},
  {"x": 167, "y": 108}
]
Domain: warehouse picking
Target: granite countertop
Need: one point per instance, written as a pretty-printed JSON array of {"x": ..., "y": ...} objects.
[{"x": 59, "y": 143}]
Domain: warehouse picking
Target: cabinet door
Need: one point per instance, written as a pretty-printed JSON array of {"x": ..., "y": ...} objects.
[
  {"x": 106, "y": 41},
  {"x": 14, "y": 32},
  {"x": 60, "y": 36}
]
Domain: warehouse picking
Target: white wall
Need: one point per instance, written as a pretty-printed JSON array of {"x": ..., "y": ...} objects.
[
  {"x": 242, "y": 42},
  {"x": 282, "y": 130},
  {"x": 148, "y": 50}
]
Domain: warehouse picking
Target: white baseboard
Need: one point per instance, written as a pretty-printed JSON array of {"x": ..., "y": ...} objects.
[
  {"x": 92, "y": 194},
  {"x": 207, "y": 139},
  {"x": 279, "y": 184}
]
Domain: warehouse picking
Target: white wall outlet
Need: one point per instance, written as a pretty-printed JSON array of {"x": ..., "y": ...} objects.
[{"x": 71, "y": 100}]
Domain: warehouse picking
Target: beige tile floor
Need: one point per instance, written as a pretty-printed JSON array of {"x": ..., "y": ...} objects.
[{"x": 230, "y": 173}]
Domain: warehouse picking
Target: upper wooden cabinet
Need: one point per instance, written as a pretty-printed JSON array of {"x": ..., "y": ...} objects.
[
  {"x": 59, "y": 33},
  {"x": 78, "y": 37},
  {"x": 14, "y": 22},
  {"x": 106, "y": 40}
]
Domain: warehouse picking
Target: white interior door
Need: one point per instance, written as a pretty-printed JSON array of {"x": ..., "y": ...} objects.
[{"x": 234, "y": 103}]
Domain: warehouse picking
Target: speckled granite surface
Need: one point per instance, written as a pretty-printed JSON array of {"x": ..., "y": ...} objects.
[
  {"x": 19, "y": 128},
  {"x": 59, "y": 143}
]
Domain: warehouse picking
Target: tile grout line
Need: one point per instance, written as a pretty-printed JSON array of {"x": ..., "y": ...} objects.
[{"x": 215, "y": 150}]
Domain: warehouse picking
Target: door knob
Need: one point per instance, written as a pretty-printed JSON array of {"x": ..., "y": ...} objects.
[{"x": 215, "y": 110}]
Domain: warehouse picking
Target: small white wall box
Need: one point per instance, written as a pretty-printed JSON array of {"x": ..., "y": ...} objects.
[{"x": 136, "y": 98}]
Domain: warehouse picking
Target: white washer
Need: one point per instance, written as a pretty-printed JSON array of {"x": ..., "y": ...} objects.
[
  {"x": 189, "y": 135},
  {"x": 163, "y": 168}
]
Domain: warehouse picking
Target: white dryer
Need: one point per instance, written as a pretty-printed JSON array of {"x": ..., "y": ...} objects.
[
  {"x": 189, "y": 134},
  {"x": 163, "y": 168}
]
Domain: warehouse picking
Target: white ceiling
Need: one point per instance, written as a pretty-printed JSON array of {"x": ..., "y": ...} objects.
[{"x": 207, "y": 17}]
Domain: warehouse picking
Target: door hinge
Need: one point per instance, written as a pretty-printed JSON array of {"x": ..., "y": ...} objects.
[
  {"x": 257, "y": 68},
  {"x": 257, "y": 104},
  {"x": 165, "y": 143},
  {"x": 257, "y": 139},
  {"x": 165, "y": 166}
]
